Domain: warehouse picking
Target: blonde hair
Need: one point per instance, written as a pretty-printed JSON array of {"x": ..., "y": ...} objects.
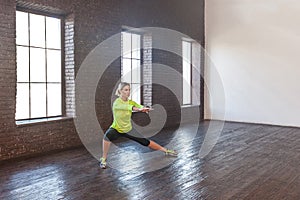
[{"x": 120, "y": 87}]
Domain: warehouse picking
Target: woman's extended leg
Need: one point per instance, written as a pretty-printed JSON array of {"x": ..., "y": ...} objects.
[
  {"x": 149, "y": 143},
  {"x": 153, "y": 145}
]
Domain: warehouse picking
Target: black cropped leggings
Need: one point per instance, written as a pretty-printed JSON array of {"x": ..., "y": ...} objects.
[{"x": 112, "y": 134}]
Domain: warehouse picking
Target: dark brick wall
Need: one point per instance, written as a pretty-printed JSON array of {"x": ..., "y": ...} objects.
[
  {"x": 7, "y": 67},
  {"x": 94, "y": 21},
  {"x": 29, "y": 139}
]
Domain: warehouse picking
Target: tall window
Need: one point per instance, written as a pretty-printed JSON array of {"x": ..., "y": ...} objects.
[
  {"x": 187, "y": 72},
  {"x": 131, "y": 63},
  {"x": 39, "y": 70}
]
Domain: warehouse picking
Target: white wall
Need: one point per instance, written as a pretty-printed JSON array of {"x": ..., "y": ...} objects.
[{"x": 255, "y": 48}]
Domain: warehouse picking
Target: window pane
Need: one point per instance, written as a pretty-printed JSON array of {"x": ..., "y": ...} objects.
[
  {"x": 22, "y": 64},
  {"x": 186, "y": 50},
  {"x": 136, "y": 71},
  {"x": 186, "y": 97},
  {"x": 186, "y": 83},
  {"x": 126, "y": 73},
  {"x": 136, "y": 54},
  {"x": 37, "y": 65},
  {"x": 136, "y": 93},
  {"x": 136, "y": 46},
  {"x": 186, "y": 72},
  {"x": 37, "y": 30},
  {"x": 126, "y": 44},
  {"x": 53, "y": 65},
  {"x": 54, "y": 99},
  {"x": 53, "y": 33},
  {"x": 38, "y": 100},
  {"x": 22, "y": 28},
  {"x": 22, "y": 106}
]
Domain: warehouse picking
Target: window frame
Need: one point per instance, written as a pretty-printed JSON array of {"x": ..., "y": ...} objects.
[
  {"x": 131, "y": 32},
  {"x": 190, "y": 42},
  {"x": 62, "y": 52}
]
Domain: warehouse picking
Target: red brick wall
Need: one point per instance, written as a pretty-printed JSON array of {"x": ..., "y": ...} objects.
[{"x": 94, "y": 22}]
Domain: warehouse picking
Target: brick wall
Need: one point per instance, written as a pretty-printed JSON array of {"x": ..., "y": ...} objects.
[
  {"x": 92, "y": 22},
  {"x": 29, "y": 139},
  {"x": 7, "y": 67},
  {"x": 69, "y": 67},
  {"x": 147, "y": 69},
  {"x": 170, "y": 95}
]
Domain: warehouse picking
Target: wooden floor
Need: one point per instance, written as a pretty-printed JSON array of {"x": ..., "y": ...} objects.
[{"x": 248, "y": 162}]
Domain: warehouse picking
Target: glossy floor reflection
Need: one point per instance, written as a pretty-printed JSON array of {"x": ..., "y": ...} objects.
[
  {"x": 248, "y": 162},
  {"x": 22, "y": 184}
]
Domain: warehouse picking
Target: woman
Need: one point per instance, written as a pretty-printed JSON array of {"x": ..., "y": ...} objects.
[{"x": 121, "y": 126}]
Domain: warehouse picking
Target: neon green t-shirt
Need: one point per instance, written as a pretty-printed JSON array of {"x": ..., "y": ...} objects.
[{"x": 122, "y": 111}]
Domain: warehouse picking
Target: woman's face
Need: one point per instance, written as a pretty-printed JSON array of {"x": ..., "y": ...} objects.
[{"x": 125, "y": 92}]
